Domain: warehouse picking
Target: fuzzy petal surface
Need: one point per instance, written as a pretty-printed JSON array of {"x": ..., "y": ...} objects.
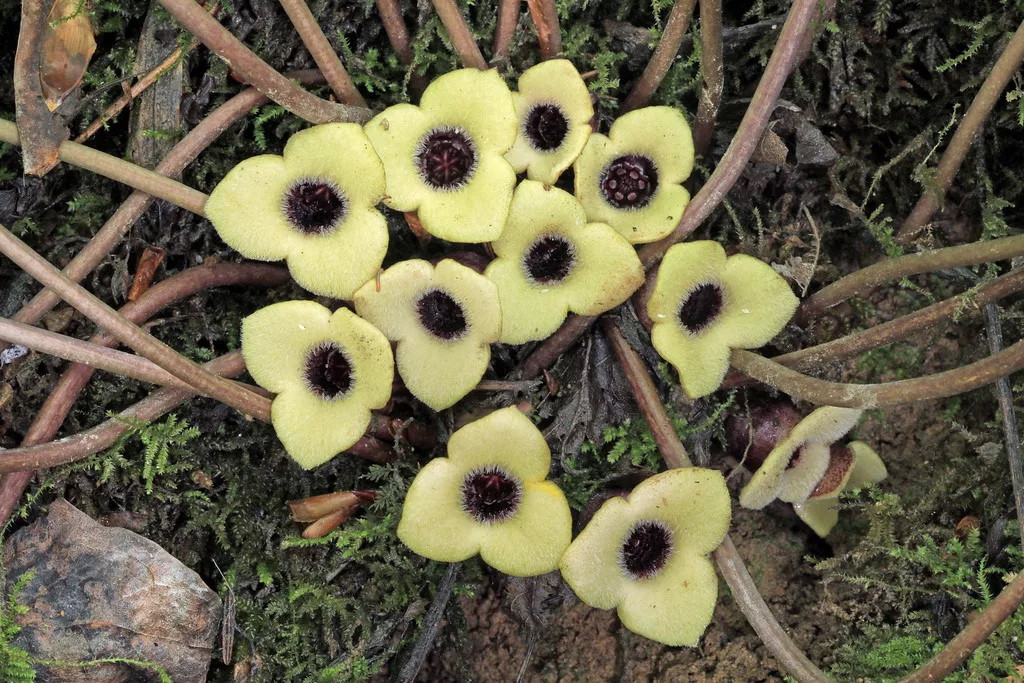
[
  {"x": 827, "y": 424},
  {"x": 475, "y": 212},
  {"x": 371, "y": 357},
  {"x": 389, "y": 301},
  {"x": 314, "y": 430},
  {"x": 821, "y": 514},
  {"x": 395, "y": 134},
  {"x": 675, "y": 606},
  {"x": 245, "y": 209},
  {"x": 796, "y": 484},
  {"x": 341, "y": 152},
  {"x": 868, "y": 468},
  {"x": 433, "y": 522},
  {"x": 759, "y": 302},
  {"x": 479, "y": 102},
  {"x": 591, "y": 566},
  {"x": 693, "y": 501},
  {"x": 340, "y": 262},
  {"x": 533, "y": 541},
  {"x": 507, "y": 438},
  {"x": 528, "y": 312},
  {"x": 276, "y": 339},
  {"x": 660, "y": 133},
  {"x": 684, "y": 267},
  {"x": 701, "y": 360}
]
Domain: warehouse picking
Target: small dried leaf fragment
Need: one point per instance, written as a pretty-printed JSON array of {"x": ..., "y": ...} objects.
[{"x": 67, "y": 46}]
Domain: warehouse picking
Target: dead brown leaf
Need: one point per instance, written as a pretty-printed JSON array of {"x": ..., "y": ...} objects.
[{"x": 66, "y": 46}]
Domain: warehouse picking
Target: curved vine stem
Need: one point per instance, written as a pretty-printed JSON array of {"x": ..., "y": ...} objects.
[
  {"x": 991, "y": 90},
  {"x": 120, "y": 170},
  {"x": 825, "y": 393},
  {"x": 323, "y": 54},
  {"x": 182, "y": 154},
  {"x": 549, "y": 34},
  {"x": 247, "y": 402},
  {"x": 866, "y": 279},
  {"x": 508, "y": 19},
  {"x": 250, "y": 68},
  {"x": 712, "y": 69},
  {"x": 460, "y": 35},
  {"x": 729, "y": 562},
  {"x": 661, "y": 59},
  {"x": 398, "y": 35}
]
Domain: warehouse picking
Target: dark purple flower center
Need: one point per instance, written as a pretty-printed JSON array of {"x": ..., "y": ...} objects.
[
  {"x": 491, "y": 494},
  {"x": 314, "y": 206},
  {"x": 629, "y": 181},
  {"x": 700, "y": 308},
  {"x": 446, "y": 158},
  {"x": 550, "y": 259},
  {"x": 646, "y": 549},
  {"x": 757, "y": 433},
  {"x": 546, "y": 127},
  {"x": 328, "y": 371},
  {"x": 441, "y": 314}
]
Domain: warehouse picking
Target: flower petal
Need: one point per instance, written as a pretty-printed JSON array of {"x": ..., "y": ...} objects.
[
  {"x": 276, "y": 339},
  {"x": 684, "y": 267},
  {"x": 507, "y": 438},
  {"x": 694, "y": 502},
  {"x": 654, "y": 221},
  {"x": 317, "y": 152},
  {"x": 868, "y": 468},
  {"x": 528, "y": 312},
  {"x": 433, "y": 522},
  {"x": 660, "y": 133},
  {"x": 395, "y": 134},
  {"x": 675, "y": 606},
  {"x": 440, "y": 374},
  {"x": 479, "y": 102},
  {"x": 591, "y": 565},
  {"x": 475, "y": 212},
  {"x": 533, "y": 541},
  {"x": 701, "y": 360},
  {"x": 373, "y": 364},
  {"x": 478, "y": 296},
  {"x": 758, "y": 302},
  {"x": 607, "y": 271},
  {"x": 314, "y": 430},
  {"x": 340, "y": 262},
  {"x": 821, "y": 514},
  {"x": 537, "y": 209},
  {"x": 826, "y": 424},
  {"x": 557, "y": 80},
  {"x": 798, "y": 480},
  {"x": 763, "y": 487},
  {"x": 389, "y": 300},
  {"x": 246, "y": 209}
]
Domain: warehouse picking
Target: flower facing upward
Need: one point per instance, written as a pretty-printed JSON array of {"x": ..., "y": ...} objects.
[
  {"x": 705, "y": 304},
  {"x": 551, "y": 261},
  {"x": 314, "y": 206},
  {"x": 328, "y": 371},
  {"x": 554, "y": 112},
  {"x": 646, "y": 554},
  {"x": 631, "y": 178},
  {"x": 444, "y": 319},
  {"x": 489, "y": 496},
  {"x": 851, "y": 466},
  {"x": 444, "y": 159},
  {"x": 796, "y": 465}
]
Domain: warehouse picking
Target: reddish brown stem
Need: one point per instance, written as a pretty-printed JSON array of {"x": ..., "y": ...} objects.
[
  {"x": 43, "y": 130},
  {"x": 712, "y": 70},
  {"x": 398, "y": 35},
  {"x": 390, "y": 428},
  {"x": 549, "y": 34},
  {"x": 459, "y": 34},
  {"x": 508, "y": 19},
  {"x": 250, "y": 68},
  {"x": 991, "y": 91},
  {"x": 554, "y": 346},
  {"x": 663, "y": 56},
  {"x": 323, "y": 54},
  {"x": 182, "y": 154},
  {"x": 973, "y": 635}
]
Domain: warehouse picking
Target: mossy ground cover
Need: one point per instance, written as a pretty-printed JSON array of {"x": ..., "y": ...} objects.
[{"x": 884, "y": 84}]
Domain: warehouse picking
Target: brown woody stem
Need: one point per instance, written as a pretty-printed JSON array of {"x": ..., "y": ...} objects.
[
  {"x": 323, "y": 54},
  {"x": 712, "y": 70},
  {"x": 508, "y": 19},
  {"x": 458, "y": 32},
  {"x": 661, "y": 59},
  {"x": 549, "y": 34},
  {"x": 250, "y": 68},
  {"x": 120, "y": 170}
]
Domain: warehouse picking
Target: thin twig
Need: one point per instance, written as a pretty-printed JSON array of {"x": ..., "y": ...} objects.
[
  {"x": 431, "y": 625},
  {"x": 712, "y": 71},
  {"x": 250, "y": 68},
  {"x": 554, "y": 346},
  {"x": 130, "y": 334},
  {"x": 822, "y": 392},
  {"x": 744, "y": 591},
  {"x": 323, "y": 54},
  {"x": 549, "y": 34},
  {"x": 398, "y": 35},
  {"x": 973, "y": 635},
  {"x": 508, "y": 19},
  {"x": 182, "y": 154},
  {"x": 460, "y": 35},
  {"x": 1005, "y": 395},
  {"x": 120, "y": 170},
  {"x": 991, "y": 91},
  {"x": 866, "y": 279},
  {"x": 661, "y": 59}
]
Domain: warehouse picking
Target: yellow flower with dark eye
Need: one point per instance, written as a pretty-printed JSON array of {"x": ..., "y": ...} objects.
[
  {"x": 797, "y": 464},
  {"x": 328, "y": 370},
  {"x": 490, "y": 496},
  {"x": 554, "y": 112},
  {"x": 444, "y": 319},
  {"x": 551, "y": 261},
  {"x": 444, "y": 159},
  {"x": 851, "y": 466},
  {"x": 705, "y": 304},
  {"x": 646, "y": 554},
  {"x": 314, "y": 206},
  {"x": 631, "y": 178}
]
